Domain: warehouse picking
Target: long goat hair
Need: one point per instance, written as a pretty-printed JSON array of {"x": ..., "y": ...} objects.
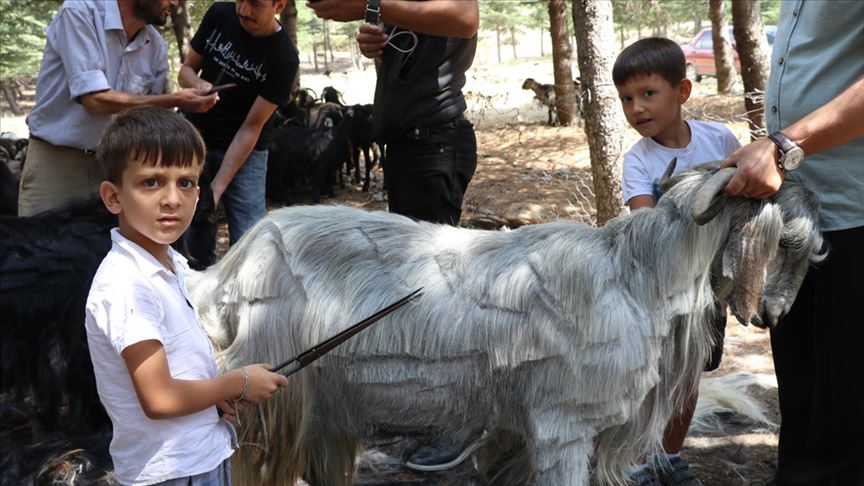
[
  {"x": 570, "y": 344},
  {"x": 47, "y": 262}
]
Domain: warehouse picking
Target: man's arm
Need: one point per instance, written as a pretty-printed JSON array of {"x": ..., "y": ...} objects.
[
  {"x": 642, "y": 201},
  {"x": 831, "y": 125},
  {"x": 241, "y": 146},
  {"x": 446, "y": 18},
  {"x": 113, "y": 101},
  {"x": 73, "y": 34}
]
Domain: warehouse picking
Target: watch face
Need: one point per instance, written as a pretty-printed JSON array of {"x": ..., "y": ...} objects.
[{"x": 792, "y": 159}]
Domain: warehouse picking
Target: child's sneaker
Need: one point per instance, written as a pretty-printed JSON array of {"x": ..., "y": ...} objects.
[
  {"x": 674, "y": 471},
  {"x": 645, "y": 477}
]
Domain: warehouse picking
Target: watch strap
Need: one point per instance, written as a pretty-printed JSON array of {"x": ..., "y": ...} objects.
[
  {"x": 373, "y": 12},
  {"x": 783, "y": 142}
]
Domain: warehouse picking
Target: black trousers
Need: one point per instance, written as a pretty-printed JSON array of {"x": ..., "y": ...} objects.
[
  {"x": 428, "y": 170},
  {"x": 819, "y": 371}
]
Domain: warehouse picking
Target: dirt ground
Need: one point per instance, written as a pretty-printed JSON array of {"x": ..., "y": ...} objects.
[{"x": 530, "y": 173}]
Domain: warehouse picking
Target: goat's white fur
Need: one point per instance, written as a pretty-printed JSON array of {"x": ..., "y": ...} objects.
[{"x": 578, "y": 341}]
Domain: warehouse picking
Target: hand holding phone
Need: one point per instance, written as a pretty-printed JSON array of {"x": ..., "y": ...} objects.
[{"x": 221, "y": 87}]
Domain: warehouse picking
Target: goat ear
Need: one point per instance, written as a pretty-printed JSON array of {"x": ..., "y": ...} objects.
[
  {"x": 749, "y": 248},
  {"x": 706, "y": 204}
]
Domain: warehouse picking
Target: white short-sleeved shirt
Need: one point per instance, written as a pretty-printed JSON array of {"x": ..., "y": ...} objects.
[
  {"x": 646, "y": 161},
  {"x": 86, "y": 51},
  {"x": 134, "y": 298}
]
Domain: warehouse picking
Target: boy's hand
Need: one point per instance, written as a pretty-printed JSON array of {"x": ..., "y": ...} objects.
[
  {"x": 262, "y": 383},
  {"x": 758, "y": 175},
  {"x": 227, "y": 411}
]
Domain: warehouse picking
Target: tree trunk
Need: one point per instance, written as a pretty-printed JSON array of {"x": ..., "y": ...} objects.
[
  {"x": 723, "y": 61},
  {"x": 604, "y": 122},
  {"x": 513, "y": 41},
  {"x": 752, "y": 49},
  {"x": 288, "y": 18},
  {"x": 542, "y": 52},
  {"x": 561, "y": 54},
  {"x": 10, "y": 95},
  {"x": 327, "y": 46},
  {"x": 182, "y": 28},
  {"x": 498, "y": 41}
]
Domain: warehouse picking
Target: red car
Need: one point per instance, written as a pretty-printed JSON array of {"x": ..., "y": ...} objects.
[{"x": 699, "y": 52}]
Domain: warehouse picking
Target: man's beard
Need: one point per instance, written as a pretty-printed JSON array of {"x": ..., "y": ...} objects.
[{"x": 150, "y": 11}]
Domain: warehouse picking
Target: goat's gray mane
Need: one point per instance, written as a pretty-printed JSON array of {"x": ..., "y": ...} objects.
[{"x": 560, "y": 333}]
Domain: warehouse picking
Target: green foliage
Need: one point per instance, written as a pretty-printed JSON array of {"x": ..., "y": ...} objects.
[
  {"x": 22, "y": 35},
  {"x": 770, "y": 10},
  {"x": 506, "y": 14},
  {"x": 654, "y": 15}
]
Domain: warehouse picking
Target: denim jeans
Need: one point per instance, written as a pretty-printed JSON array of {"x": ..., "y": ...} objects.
[
  {"x": 221, "y": 476},
  {"x": 244, "y": 199},
  {"x": 428, "y": 170}
]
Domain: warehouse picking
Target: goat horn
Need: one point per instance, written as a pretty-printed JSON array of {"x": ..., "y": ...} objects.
[{"x": 705, "y": 206}]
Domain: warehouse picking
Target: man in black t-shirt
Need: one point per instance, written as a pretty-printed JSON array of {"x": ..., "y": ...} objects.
[
  {"x": 425, "y": 49},
  {"x": 240, "y": 43}
]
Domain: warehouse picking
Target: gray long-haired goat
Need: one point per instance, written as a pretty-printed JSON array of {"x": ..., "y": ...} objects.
[{"x": 563, "y": 341}]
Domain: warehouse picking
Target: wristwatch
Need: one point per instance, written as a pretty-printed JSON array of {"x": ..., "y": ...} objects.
[
  {"x": 791, "y": 154},
  {"x": 373, "y": 12}
]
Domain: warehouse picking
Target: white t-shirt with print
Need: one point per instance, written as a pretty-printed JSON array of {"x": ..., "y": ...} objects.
[
  {"x": 134, "y": 298},
  {"x": 646, "y": 161}
]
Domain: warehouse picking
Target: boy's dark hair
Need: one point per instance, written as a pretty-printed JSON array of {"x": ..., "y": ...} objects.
[
  {"x": 654, "y": 55},
  {"x": 151, "y": 135}
]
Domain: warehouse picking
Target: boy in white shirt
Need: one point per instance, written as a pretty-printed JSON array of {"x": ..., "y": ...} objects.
[
  {"x": 154, "y": 366},
  {"x": 651, "y": 82}
]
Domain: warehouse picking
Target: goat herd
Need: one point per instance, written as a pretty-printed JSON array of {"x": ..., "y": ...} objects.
[
  {"x": 318, "y": 144},
  {"x": 564, "y": 347}
]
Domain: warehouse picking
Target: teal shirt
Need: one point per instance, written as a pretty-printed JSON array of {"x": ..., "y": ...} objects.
[{"x": 818, "y": 53}]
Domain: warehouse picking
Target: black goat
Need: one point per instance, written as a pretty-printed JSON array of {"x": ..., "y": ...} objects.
[
  {"x": 361, "y": 139},
  {"x": 47, "y": 262},
  {"x": 8, "y": 191},
  {"x": 79, "y": 460},
  {"x": 309, "y": 155},
  {"x": 332, "y": 95},
  {"x": 325, "y": 115}
]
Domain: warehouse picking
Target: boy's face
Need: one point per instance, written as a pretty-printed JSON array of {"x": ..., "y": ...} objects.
[
  {"x": 258, "y": 17},
  {"x": 652, "y": 105},
  {"x": 154, "y": 204}
]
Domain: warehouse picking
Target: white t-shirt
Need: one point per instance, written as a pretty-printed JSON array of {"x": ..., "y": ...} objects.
[
  {"x": 134, "y": 298},
  {"x": 646, "y": 161}
]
